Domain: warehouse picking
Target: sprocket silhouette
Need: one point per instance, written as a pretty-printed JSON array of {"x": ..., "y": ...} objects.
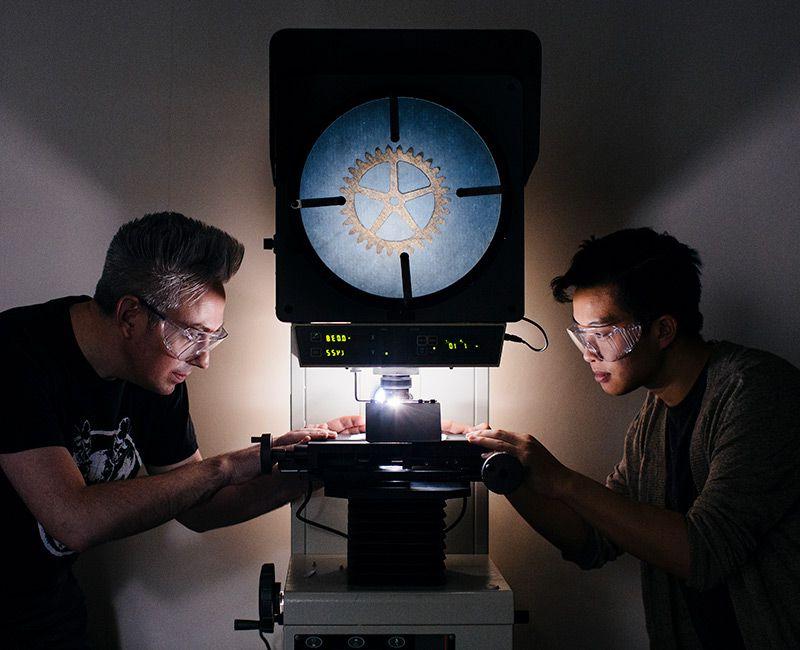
[{"x": 394, "y": 201}]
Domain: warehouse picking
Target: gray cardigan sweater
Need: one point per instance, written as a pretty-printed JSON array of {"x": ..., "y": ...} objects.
[{"x": 744, "y": 527}]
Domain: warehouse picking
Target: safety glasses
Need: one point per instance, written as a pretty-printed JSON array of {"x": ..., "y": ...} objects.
[
  {"x": 606, "y": 342},
  {"x": 185, "y": 343}
]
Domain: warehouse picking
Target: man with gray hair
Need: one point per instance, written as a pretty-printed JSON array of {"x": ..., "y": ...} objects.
[{"x": 99, "y": 390}]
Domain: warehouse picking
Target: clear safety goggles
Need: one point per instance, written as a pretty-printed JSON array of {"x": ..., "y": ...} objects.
[
  {"x": 186, "y": 343},
  {"x": 606, "y": 342}
]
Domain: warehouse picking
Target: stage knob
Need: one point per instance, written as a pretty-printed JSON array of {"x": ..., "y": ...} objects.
[
  {"x": 502, "y": 473},
  {"x": 265, "y": 440}
]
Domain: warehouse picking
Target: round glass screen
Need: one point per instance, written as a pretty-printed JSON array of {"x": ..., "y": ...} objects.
[{"x": 410, "y": 176}]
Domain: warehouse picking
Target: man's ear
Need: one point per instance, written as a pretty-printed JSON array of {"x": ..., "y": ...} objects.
[
  {"x": 666, "y": 329},
  {"x": 129, "y": 316}
]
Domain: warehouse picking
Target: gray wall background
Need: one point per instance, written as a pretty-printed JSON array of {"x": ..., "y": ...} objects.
[{"x": 679, "y": 115}]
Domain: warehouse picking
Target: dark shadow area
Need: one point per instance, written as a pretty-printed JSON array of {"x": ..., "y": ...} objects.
[
  {"x": 633, "y": 91},
  {"x": 630, "y": 90}
]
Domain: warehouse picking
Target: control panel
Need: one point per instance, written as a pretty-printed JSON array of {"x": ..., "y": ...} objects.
[
  {"x": 372, "y": 641},
  {"x": 417, "y": 345}
]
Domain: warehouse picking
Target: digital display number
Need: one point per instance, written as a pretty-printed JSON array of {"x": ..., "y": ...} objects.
[
  {"x": 459, "y": 344},
  {"x": 337, "y": 338},
  {"x": 334, "y": 352}
]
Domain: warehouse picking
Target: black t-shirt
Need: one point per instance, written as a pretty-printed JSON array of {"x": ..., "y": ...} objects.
[
  {"x": 711, "y": 611},
  {"x": 53, "y": 397}
]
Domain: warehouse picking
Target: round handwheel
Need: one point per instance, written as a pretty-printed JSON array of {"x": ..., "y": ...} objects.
[{"x": 269, "y": 598}]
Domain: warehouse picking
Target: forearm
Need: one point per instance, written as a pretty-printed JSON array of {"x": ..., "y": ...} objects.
[
  {"x": 652, "y": 534},
  {"x": 237, "y": 503},
  {"x": 107, "y": 511},
  {"x": 554, "y": 520}
]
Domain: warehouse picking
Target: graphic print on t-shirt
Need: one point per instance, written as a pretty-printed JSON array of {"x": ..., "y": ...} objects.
[{"x": 101, "y": 456}]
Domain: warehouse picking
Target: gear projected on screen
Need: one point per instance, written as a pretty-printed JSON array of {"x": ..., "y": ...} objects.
[
  {"x": 409, "y": 194},
  {"x": 400, "y": 175}
]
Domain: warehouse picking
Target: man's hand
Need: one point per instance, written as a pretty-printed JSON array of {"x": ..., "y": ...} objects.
[
  {"x": 457, "y": 428},
  {"x": 345, "y": 424},
  {"x": 289, "y": 439},
  {"x": 546, "y": 475},
  {"x": 243, "y": 465},
  {"x": 324, "y": 431}
]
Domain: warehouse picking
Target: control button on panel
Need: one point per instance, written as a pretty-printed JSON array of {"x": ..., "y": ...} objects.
[
  {"x": 396, "y": 642},
  {"x": 356, "y": 642},
  {"x": 316, "y": 336},
  {"x": 313, "y": 642},
  {"x": 316, "y": 352}
]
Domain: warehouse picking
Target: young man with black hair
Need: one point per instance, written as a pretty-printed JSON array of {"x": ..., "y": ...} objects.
[
  {"x": 707, "y": 493},
  {"x": 97, "y": 390}
]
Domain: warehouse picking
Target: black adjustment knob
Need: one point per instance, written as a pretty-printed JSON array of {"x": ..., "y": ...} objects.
[
  {"x": 269, "y": 243},
  {"x": 502, "y": 473},
  {"x": 269, "y": 604},
  {"x": 269, "y": 598},
  {"x": 265, "y": 439}
]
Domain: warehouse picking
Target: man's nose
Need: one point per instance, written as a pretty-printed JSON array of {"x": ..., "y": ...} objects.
[
  {"x": 590, "y": 355},
  {"x": 202, "y": 360}
]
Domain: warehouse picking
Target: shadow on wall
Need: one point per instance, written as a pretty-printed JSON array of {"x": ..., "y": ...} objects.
[
  {"x": 55, "y": 220},
  {"x": 191, "y": 583},
  {"x": 738, "y": 205},
  {"x": 633, "y": 92}
]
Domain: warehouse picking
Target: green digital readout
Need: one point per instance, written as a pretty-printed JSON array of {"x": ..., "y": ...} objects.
[
  {"x": 347, "y": 345},
  {"x": 460, "y": 344},
  {"x": 337, "y": 338}
]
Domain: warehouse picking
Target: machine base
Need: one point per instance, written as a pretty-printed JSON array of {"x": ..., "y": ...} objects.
[{"x": 473, "y": 610}]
